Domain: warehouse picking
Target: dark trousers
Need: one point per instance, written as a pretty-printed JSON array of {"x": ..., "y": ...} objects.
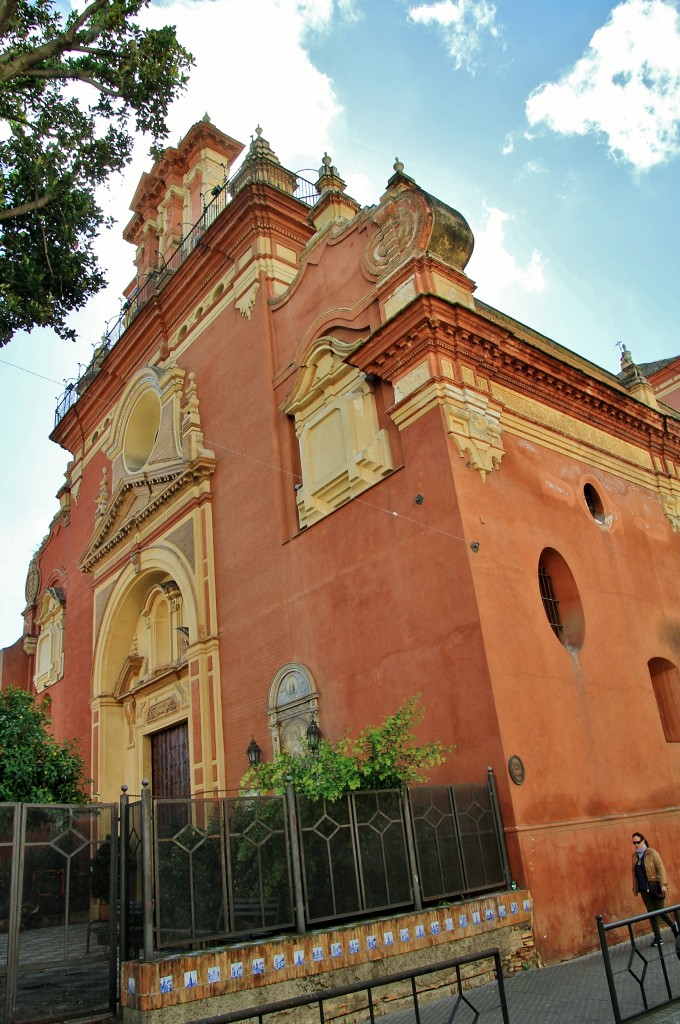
[{"x": 652, "y": 902}]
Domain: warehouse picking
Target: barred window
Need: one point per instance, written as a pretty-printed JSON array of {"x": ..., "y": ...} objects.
[{"x": 561, "y": 599}]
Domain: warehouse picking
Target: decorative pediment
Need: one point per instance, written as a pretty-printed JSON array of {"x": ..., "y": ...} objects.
[
  {"x": 135, "y": 500},
  {"x": 322, "y": 367},
  {"x": 129, "y": 674}
]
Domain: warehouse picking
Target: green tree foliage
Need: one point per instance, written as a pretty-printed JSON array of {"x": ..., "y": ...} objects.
[
  {"x": 34, "y": 767},
  {"x": 74, "y": 85},
  {"x": 384, "y": 756}
]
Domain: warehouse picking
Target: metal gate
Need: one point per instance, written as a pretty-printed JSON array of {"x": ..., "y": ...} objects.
[{"x": 58, "y": 897}]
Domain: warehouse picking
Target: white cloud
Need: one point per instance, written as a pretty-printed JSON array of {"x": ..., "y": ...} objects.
[
  {"x": 508, "y": 144},
  {"x": 532, "y": 167},
  {"x": 498, "y": 266},
  {"x": 267, "y": 78},
  {"x": 626, "y": 86},
  {"x": 463, "y": 23}
]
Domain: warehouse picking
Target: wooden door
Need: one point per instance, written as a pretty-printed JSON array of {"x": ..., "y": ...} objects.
[{"x": 170, "y": 762}]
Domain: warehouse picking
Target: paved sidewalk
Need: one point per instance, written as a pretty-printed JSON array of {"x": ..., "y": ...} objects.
[{"x": 576, "y": 991}]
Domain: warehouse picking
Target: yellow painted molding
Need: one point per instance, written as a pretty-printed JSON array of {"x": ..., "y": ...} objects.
[
  {"x": 473, "y": 423},
  {"x": 564, "y": 433}
]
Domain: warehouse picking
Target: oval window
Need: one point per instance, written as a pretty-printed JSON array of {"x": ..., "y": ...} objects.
[
  {"x": 561, "y": 599},
  {"x": 142, "y": 430},
  {"x": 594, "y": 503}
]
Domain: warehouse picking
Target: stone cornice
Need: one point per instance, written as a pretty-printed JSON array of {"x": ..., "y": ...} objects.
[{"x": 430, "y": 326}]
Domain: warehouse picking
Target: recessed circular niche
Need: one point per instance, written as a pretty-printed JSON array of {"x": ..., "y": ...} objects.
[
  {"x": 561, "y": 599},
  {"x": 142, "y": 428},
  {"x": 594, "y": 503}
]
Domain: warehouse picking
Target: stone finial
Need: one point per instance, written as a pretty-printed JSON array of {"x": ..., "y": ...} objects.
[
  {"x": 634, "y": 380},
  {"x": 329, "y": 177},
  {"x": 262, "y": 165},
  {"x": 399, "y": 180}
]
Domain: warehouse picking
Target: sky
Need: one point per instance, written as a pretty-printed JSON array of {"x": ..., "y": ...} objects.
[{"x": 553, "y": 128}]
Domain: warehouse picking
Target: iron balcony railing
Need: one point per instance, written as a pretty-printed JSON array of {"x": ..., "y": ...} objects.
[{"x": 156, "y": 281}]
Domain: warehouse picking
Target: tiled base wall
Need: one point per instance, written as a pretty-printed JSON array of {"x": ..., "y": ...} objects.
[{"x": 186, "y": 987}]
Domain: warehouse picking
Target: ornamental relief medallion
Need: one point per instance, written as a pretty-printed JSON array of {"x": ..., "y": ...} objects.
[{"x": 400, "y": 222}]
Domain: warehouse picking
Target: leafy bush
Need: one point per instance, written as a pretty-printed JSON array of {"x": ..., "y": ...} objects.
[
  {"x": 34, "y": 767},
  {"x": 384, "y": 756}
]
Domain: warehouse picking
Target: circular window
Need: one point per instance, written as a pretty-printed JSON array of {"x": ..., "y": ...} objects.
[
  {"x": 141, "y": 430},
  {"x": 594, "y": 503},
  {"x": 561, "y": 599}
]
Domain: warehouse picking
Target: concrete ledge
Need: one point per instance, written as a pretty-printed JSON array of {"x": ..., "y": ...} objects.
[{"x": 185, "y": 987}]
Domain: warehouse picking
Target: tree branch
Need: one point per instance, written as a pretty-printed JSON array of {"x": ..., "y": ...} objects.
[
  {"x": 72, "y": 73},
  {"x": 11, "y": 68},
  {"x": 18, "y": 211},
  {"x": 7, "y": 9}
]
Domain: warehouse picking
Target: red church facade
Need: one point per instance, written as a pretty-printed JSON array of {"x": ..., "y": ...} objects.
[{"x": 315, "y": 475}]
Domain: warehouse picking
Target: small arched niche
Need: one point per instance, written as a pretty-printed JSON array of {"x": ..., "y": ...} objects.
[{"x": 293, "y": 703}]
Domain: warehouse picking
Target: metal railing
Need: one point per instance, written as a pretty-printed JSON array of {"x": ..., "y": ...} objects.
[
  {"x": 395, "y": 994},
  {"x": 640, "y": 977},
  {"x": 459, "y": 839},
  {"x": 235, "y": 867},
  {"x": 158, "y": 278},
  {"x": 57, "y": 877}
]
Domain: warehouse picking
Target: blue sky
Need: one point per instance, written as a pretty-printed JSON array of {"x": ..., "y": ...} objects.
[{"x": 553, "y": 128}]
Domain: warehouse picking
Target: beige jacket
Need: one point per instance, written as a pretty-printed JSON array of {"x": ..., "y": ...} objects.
[{"x": 654, "y": 868}]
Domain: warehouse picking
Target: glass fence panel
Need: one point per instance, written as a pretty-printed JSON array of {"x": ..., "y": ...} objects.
[
  {"x": 482, "y": 861},
  {"x": 190, "y": 871}
]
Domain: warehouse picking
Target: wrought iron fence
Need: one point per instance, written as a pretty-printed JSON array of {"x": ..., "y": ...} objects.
[
  {"x": 640, "y": 977},
  {"x": 459, "y": 845},
  {"x": 57, "y": 877},
  {"x": 246, "y": 866},
  {"x": 354, "y": 855},
  {"x": 221, "y": 868},
  {"x": 158, "y": 278}
]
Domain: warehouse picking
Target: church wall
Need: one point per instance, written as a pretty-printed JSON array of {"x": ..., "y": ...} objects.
[
  {"x": 384, "y": 604},
  {"x": 70, "y": 695},
  {"x": 232, "y": 378},
  {"x": 585, "y": 723}
]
